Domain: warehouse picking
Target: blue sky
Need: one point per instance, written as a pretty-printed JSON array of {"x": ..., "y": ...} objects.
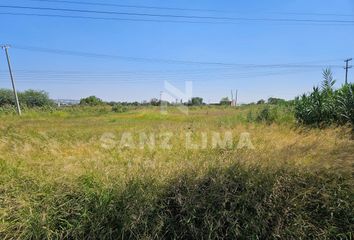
[{"x": 244, "y": 42}]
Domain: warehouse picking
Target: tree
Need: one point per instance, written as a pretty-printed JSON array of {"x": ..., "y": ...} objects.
[
  {"x": 91, "y": 101},
  {"x": 261, "y": 102},
  {"x": 225, "y": 101},
  {"x": 33, "y": 98},
  {"x": 155, "y": 102},
  {"x": 275, "y": 101},
  {"x": 29, "y": 98},
  {"x": 196, "y": 101}
]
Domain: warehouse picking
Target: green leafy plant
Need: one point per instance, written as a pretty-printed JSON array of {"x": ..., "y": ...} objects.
[
  {"x": 119, "y": 108},
  {"x": 267, "y": 115},
  {"x": 91, "y": 101},
  {"x": 345, "y": 104},
  {"x": 6, "y": 97},
  {"x": 326, "y": 105},
  {"x": 33, "y": 98}
]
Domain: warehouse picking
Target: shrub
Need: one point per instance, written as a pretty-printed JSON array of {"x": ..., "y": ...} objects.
[
  {"x": 91, "y": 101},
  {"x": 325, "y": 105},
  {"x": 250, "y": 116},
  {"x": 196, "y": 101},
  {"x": 276, "y": 101},
  {"x": 261, "y": 102},
  {"x": 33, "y": 98},
  {"x": 119, "y": 108},
  {"x": 267, "y": 115},
  {"x": 225, "y": 101},
  {"x": 29, "y": 98},
  {"x": 345, "y": 104},
  {"x": 6, "y": 97},
  {"x": 155, "y": 102}
]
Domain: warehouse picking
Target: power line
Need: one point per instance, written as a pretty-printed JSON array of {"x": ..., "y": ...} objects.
[
  {"x": 113, "y": 12},
  {"x": 178, "y": 16},
  {"x": 127, "y": 6},
  {"x": 313, "y": 14},
  {"x": 128, "y": 78},
  {"x": 140, "y": 77},
  {"x": 144, "y": 81},
  {"x": 187, "y": 71},
  {"x": 159, "y": 20},
  {"x": 110, "y": 75},
  {"x": 146, "y": 78},
  {"x": 181, "y": 9},
  {"x": 159, "y": 60},
  {"x": 120, "y": 19},
  {"x": 152, "y": 20}
]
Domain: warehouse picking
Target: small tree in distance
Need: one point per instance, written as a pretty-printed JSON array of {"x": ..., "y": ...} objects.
[
  {"x": 30, "y": 98},
  {"x": 91, "y": 101},
  {"x": 261, "y": 102},
  {"x": 155, "y": 102},
  {"x": 196, "y": 101},
  {"x": 275, "y": 101},
  {"x": 225, "y": 101},
  {"x": 33, "y": 98}
]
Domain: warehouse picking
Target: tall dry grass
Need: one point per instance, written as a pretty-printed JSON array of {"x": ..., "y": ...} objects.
[{"x": 58, "y": 182}]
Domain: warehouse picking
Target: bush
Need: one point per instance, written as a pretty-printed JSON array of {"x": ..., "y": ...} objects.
[
  {"x": 29, "y": 98},
  {"x": 33, "y": 98},
  {"x": 267, "y": 115},
  {"x": 6, "y": 97},
  {"x": 196, "y": 101},
  {"x": 325, "y": 105},
  {"x": 345, "y": 104},
  {"x": 250, "y": 116},
  {"x": 225, "y": 101},
  {"x": 91, "y": 101},
  {"x": 276, "y": 101},
  {"x": 119, "y": 108},
  {"x": 261, "y": 102}
]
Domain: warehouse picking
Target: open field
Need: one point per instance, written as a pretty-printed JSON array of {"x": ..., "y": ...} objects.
[{"x": 66, "y": 175}]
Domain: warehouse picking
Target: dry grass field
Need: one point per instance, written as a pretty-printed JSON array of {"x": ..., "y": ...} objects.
[{"x": 67, "y": 175}]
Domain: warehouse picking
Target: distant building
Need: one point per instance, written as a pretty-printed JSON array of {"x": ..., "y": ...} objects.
[{"x": 66, "y": 102}]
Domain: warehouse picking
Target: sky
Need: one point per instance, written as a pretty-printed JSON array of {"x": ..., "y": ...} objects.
[{"x": 121, "y": 60}]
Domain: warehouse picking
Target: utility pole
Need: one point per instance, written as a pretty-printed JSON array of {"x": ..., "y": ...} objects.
[
  {"x": 347, "y": 68},
  {"x": 6, "y": 47}
]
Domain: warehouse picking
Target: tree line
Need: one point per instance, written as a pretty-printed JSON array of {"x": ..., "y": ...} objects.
[
  {"x": 324, "y": 105},
  {"x": 29, "y": 98}
]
